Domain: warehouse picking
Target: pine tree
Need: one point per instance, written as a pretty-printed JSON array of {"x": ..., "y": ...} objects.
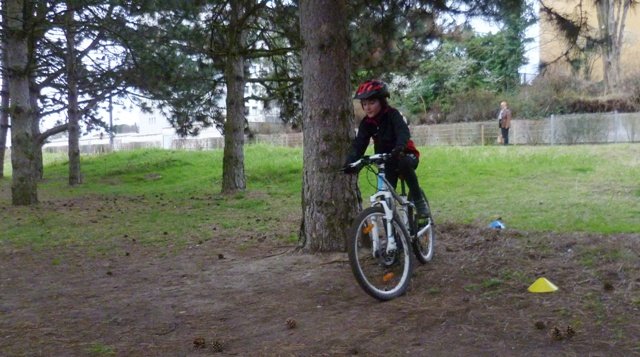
[
  {"x": 196, "y": 51},
  {"x": 24, "y": 185},
  {"x": 329, "y": 198}
]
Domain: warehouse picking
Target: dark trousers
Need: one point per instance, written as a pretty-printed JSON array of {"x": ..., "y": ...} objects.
[
  {"x": 405, "y": 167},
  {"x": 505, "y": 135}
]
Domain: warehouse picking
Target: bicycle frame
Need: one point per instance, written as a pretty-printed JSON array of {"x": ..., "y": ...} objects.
[{"x": 386, "y": 197}]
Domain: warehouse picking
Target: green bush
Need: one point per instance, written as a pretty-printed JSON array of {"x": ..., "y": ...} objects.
[
  {"x": 546, "y": 95},
  {"x": 477, "y": 105},
  {"x": 568, "y": 95}
]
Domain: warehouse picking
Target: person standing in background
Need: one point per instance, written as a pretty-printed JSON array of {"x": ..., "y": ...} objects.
[{"x": 504, "y": 121}]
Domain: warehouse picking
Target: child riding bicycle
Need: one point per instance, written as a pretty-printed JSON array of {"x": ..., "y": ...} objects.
[{"x": 390, "y": 134}]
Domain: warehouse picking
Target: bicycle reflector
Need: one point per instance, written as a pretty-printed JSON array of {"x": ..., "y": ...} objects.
[{"x": 367, "y": 228}]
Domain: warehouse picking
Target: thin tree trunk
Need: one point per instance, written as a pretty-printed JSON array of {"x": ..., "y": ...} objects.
[
  {"x": 4, "y": 103},
  {"x": 4, "y": 115},
  {"x": 233, "y": 177},
  {"x": 72, "y": 111},
  {"x": 612, "y": 17},
  {"x": 329, "y": 198},
  {"x": 38, "y": 165},
  {"x": 619, "y": 22},
  {"x": 24, "y": 186},
  {"x": 37, "y": 16}
]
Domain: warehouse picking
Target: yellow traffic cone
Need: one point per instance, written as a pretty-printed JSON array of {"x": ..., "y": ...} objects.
[{"x": 542, "y": 285}]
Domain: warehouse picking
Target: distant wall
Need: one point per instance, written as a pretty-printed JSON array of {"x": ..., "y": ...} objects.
[{"x": 555, "y": 130}]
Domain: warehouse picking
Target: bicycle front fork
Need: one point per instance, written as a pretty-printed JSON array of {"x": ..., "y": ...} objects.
[{"x": 390, "y": 247}]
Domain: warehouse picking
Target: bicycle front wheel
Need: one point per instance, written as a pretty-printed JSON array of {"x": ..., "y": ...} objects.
[{"x": 381, "y": 273}]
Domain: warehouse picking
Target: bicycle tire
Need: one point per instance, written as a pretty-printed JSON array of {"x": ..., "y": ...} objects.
[
  {"x": 382, "y": 276},
  {"x": 423, "y": 245}
]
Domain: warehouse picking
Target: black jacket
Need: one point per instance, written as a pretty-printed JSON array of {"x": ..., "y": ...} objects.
[{"x": 388, "y": 130}]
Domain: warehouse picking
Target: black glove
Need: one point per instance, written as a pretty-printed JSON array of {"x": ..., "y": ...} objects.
[
  {"x": 350, "y": 170},
  {"x": 397, "y": 152}
]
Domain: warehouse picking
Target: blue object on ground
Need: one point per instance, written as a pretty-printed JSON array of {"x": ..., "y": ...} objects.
[{"x": 497, "y": 224}]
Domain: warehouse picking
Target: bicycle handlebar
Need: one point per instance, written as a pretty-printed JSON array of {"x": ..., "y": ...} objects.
[{"x": 370, "y": 159}]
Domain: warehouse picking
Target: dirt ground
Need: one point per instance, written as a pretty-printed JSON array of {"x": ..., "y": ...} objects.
[{"x": 269, "y": 300}]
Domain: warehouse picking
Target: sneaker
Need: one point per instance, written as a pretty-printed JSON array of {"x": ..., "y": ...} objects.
[{"x": 421, "y": 208}]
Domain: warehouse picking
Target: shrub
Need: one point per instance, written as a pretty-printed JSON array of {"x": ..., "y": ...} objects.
[
  {"x": 476, "y": 105},
  {"x": 567, "y": 95}
]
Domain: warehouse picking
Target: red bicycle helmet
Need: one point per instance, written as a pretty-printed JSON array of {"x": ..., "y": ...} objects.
[{"x": 372, "y": 89}]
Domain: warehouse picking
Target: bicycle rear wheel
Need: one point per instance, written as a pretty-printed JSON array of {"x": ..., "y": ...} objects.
[
  {"x": 423, "y": 243},
  {"x": 380, "y": 274}
]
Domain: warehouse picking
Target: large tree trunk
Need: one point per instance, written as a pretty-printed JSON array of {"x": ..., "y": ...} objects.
[
  {"x": 24, "y": 186},
  {"x": 233, "y": 178},
  {"x": 72, "y": 94},
  {"x": 329, "y": 198}
]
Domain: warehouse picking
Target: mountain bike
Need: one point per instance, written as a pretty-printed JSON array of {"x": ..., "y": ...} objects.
[{"x": 383, "y": 236}]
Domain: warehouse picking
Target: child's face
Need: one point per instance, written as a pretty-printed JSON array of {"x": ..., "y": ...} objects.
[{"x": 371, "y": 107}]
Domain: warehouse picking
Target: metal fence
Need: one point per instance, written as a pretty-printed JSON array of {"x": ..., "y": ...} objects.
[{"x": 555, "y": 130}]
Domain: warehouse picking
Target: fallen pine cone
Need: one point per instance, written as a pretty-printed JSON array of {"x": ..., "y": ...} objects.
[
  {"x": 556, "y": 334},
  {"x": 291, "y": 323},
  {"x": 607, "y": 286},
  {"x": 217, "y": 346},
  {"x": 570, "y": 332},
  {"x": 199, "y": 342}
]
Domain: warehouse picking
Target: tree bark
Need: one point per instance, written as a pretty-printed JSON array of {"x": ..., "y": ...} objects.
[
  {"x": 38, "y": 166},
  {"x": 73, "y": 113},
  {"x": 329, "y": 198},
  {"x": 24, "y": 185},
  {"x": 37, "y": 15},
  {"x": 4, "y": 114},
  {"x": 233, "y": 177},
  {"x": 4, "y": 93}
]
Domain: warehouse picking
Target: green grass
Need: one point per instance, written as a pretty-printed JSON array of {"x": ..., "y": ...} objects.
[
  {"x": 100, "y": 349},
  {"x": 155, "y": 197},
  {"x": 172, "y": 197},
  {"x": 540, "y": 188},
  {"x": 567, "y": 188}
]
